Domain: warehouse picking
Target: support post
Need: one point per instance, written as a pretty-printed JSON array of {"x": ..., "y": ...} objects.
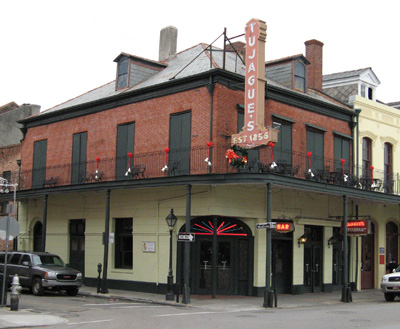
[
  {"x": 186, "y": 269},
  {"x": 268, "y": 293},
  {"x": 44, "y": 228},
  {"x": 104, "y": 285},
  {"x": 214, "y": 268},
  {"x": 346, "y": 290}
]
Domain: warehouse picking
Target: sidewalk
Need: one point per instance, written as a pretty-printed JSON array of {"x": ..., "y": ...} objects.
[{"x": 24, "y": 318}]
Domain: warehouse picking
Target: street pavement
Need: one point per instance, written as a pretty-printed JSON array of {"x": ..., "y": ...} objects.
[{"x": 25, "y": 318}]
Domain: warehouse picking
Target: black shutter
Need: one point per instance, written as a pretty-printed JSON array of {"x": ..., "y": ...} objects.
[
  {"x": 341, "y": 151},
  {"x": 315, "y": 144},
  {"x": 125, "y": 144},
  {"x": 283, "y": 147},
  {"x": 253, "y": 155},
  {"x": 179, "y": 143},
  {"x": 39, "y": 163},
  {"x": 79, "y": 149}
]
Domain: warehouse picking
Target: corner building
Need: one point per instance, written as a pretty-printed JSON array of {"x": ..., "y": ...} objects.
[{"x": 109, "y": 165}]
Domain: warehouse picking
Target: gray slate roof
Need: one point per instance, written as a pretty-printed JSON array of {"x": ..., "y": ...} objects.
[
  {"x": 189, "y": 62},
  {"x": 347, "y": 74}
]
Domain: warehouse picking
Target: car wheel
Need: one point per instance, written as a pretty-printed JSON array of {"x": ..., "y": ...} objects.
[
  {"x": 72, "y": 291},
  {"x": 389, "y": 297},
  {"x": 37, "y": 288}
]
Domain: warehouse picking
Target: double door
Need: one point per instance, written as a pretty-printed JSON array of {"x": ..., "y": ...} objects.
[
  {"x": 231, "y": 273},
  {"x": 313, "y": 268}
]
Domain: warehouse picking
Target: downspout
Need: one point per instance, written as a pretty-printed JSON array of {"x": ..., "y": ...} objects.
[
  {"x": 358, "y": 111},
  {"x": 210, "y": 88},
  {"x": 44, "y": 228}
]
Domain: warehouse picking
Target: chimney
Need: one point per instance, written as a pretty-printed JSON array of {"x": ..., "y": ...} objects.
[
  {"x": 314, "y": 70},
  {"x": 239, "y": 47},
  {"x": 168, "y": 41}
]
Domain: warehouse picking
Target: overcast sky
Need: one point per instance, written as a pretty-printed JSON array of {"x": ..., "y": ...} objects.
[{"x": 52, "y": 51}]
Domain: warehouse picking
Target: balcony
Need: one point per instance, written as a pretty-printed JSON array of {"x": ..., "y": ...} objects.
[{"x": 202, "y": 161}]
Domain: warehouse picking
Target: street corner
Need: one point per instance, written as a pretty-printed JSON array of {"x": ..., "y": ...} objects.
[{"x": 26, "y": 319}]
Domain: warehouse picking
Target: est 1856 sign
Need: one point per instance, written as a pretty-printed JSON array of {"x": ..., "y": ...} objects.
[{"x": 254, "y": 133}]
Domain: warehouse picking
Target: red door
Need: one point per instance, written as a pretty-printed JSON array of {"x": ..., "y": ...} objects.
[{"x": 367, "y": 261}]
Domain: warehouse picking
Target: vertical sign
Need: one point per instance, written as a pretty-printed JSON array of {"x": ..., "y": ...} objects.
[{"x": 254, "y": 133}]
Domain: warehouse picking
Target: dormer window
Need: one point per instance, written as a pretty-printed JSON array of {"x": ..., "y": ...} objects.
[
  {"x": 132, "y": 70},
  {"x": 122, "y": 72},
  {"x": 299, "y": 76}
]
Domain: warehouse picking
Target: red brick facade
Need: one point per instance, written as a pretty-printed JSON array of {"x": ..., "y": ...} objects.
[{"x": 152, "y": 125}]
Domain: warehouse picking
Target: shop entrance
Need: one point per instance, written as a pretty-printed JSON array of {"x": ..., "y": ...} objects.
[
  {"x": 313, "y": 259},
  {"x": 367, "y": 260},
  {"x": 282, "y": 262},
  {"x": 233, "y": 272}
]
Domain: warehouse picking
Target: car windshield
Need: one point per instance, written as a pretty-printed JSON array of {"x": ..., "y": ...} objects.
[
  {"x": 47, "y": 260},
  {"x": 397, "y": 269}
]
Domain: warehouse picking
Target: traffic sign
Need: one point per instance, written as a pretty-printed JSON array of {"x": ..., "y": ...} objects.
[
  {"x": 12, "y": 225},
  {"x": 260, "y": 226},
  {"x": 186, "y": 237}
]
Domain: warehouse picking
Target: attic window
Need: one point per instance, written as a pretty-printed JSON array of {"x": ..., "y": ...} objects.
[
  {"x": 299, "y": 76},
  {"x": 122, "y": 73}
]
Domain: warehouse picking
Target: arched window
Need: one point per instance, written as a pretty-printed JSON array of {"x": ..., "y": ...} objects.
[
  {"x": 366, "y": 157},
  {"x": 226, "y": 226}
]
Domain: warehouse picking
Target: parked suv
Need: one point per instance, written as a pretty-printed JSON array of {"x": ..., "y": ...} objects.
[
  {"x": 41, "y": 271},
  {"x": 390, "y": 284}
]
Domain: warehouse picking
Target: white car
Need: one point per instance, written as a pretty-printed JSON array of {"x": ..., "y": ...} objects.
[{"x": 390, "y": 284}]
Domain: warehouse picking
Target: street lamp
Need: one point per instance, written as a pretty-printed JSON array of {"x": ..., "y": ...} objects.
[{"x": 171, "y": 221}]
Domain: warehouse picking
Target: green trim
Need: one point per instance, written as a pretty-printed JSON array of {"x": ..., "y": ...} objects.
[
  {"x": 280, "y": 117},
  {"x": 342, "y": 135},
  {"x": 308, "y": 125}
]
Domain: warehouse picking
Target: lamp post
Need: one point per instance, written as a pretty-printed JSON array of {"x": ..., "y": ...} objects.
[
  {"x": 4, "y": 188},
  {"x": 171, "y": 221}
]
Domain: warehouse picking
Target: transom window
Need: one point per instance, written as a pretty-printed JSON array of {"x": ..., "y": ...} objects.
[{"x": 226, "y": 227}]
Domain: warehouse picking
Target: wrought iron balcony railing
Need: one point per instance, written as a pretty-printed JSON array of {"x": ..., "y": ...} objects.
[{"x": 198, "y": 161}]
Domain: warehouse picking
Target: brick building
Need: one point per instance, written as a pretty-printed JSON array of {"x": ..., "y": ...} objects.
[
  {"x": 118, "y": 159},
  {"x": 10, "y": 152}
]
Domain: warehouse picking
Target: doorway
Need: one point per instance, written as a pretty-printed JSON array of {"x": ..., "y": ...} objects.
[
  {"x": 313, "y": 259},
  {"x": 233, "y": 271},
  {"x": 282, "y": 262},
  {"x": 77, "y": 244},
  {"x": 367, "y": 259}
]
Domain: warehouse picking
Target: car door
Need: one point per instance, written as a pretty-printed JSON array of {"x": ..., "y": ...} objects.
[
  {"x": 13, "y": 265},
  {"x": 24, "y": 270}
]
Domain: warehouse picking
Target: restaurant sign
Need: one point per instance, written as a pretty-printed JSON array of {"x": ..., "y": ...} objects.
[
  {"x": 358, "y": 227},
  {"x": 254, "y": 133}
]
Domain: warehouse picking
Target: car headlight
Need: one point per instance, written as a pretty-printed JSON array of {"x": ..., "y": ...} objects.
[
  {"x": 50, "y": 275},
  {"x": 79, "y": 276},
  {"x": 385, "y": 278}
]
